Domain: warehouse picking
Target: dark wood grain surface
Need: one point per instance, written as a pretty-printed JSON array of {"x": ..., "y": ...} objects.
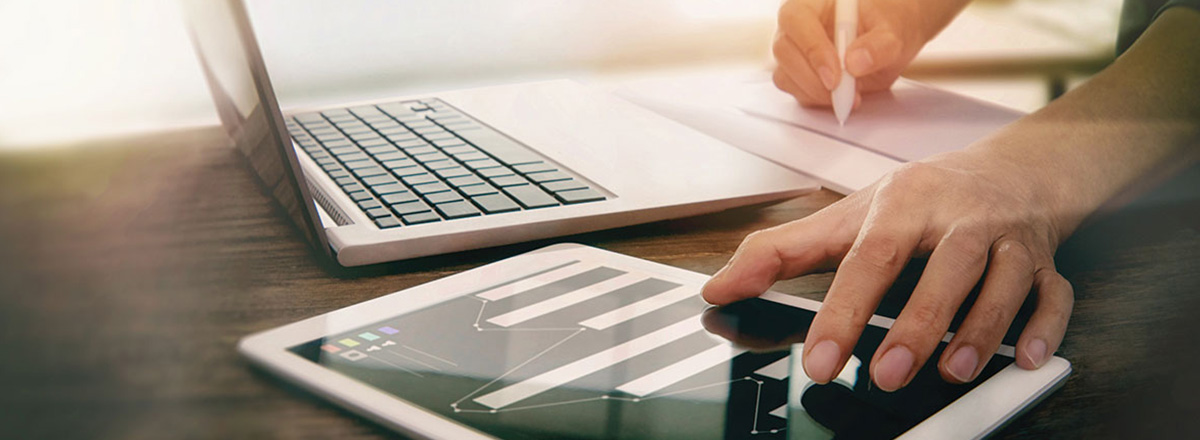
[{"x": 130, "y": 268}]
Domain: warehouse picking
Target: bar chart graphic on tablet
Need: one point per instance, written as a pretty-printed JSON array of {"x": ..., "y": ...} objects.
[{"x": 575, "y": 337}]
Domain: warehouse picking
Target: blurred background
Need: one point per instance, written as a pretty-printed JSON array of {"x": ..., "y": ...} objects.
[{"x": 74, "y": 70}]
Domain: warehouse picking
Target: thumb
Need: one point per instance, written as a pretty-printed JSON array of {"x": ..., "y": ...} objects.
[{"x": 873, "y": 51}]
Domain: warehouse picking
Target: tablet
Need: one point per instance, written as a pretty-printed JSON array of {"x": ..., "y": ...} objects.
[{"x": 571, "y": 341}]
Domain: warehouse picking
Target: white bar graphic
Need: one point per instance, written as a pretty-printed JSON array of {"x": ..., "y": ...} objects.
[
  {"x": 566, "y": 300},
  {"x": 674, "y": 373},
  {"x": 640, "y": 308},
  {"x": 508, "y": 290},
  {"x": 559, "y": 376},
  {"x": 778, "y": 370}
]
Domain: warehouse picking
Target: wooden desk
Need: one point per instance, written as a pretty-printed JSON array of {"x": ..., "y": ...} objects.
[{"x": 129, "y": 270}]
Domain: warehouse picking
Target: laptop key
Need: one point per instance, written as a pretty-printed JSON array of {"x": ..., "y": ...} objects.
[
  {"x": 464, "y": 181},
  {"x": 458, "y": 209},
  {"x": 309, "y": 118},
  {"x": 343, "y": 181},
  {"x": 330, "y": 167},
  {"x": 377, "y": 150},
  {"x": 579, "y": 195},
  {"x": 352, "y": 156},
  {"x": 563, "y": 185},
  {"x": 411, "y": 170},
  {"x": 389, "y": 189},
  {"x": 467, "y": 157},
  {"x": 353, "y": 188},
  {"x": 504, "y": 181},
  {"x": 400, "y": 197},
  {"x": 399, "y": 163},
  {"x": 368, "y": 172},
  {"x": 379, "y": 212},
  {"x": 356, "y": 164},
  {"x": 494, "y": 172},
  {"x": 424, "y": 149},
  {"x": 452, "y": 172},
  {"x": 419, "y": 179},
  {"x": 339, "y": 174},
  {"x": 443, "y": 197},
  {"x": 495, "y": 203},
  {"x": 405, "y": 138},
  {"x": 547, "y": 176},
  {"x": 431, "y": 188},
  {"x": 387, "y": 222},
  {"x": 478, "y": 190},
  {"x": 395, "y": 155},
  {"x": 411, "y": 207},
  {"x": 338, "y": 151},
  {"x": 459, "y": 149},
  {"x": 439, "y": 165},
  {"x": 368, "y": 204},
  {"x": 530, "y": 196},
  {"x": 380, "y": 180},
  {"x": 338, "y": 144},
  {"x": 359, "y": 196},
  {"x": 483, "y": 164},
  {"x": 534, "y": 167},
  {"x": 419, "y": 218}
]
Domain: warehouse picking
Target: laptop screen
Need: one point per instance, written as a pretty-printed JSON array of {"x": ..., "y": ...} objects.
[{"x": 228, "y": 54}]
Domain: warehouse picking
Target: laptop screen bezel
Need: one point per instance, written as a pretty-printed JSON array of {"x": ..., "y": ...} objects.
[{"x": 308, "y": 220}]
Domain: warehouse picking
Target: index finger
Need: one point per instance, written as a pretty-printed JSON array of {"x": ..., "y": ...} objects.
[
  {"x": 870, "y": 267},
  {"x": 801, "y": 22},
  {"x": 789, "y": 250}
]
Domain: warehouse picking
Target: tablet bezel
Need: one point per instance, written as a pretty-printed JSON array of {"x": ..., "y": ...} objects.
[{"x": 981, "y": 411}]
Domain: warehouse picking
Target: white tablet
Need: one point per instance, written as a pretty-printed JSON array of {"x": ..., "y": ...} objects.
[{"x": 576, "y": 342}]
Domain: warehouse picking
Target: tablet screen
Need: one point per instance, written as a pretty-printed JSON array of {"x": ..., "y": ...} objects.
[{"x": 604, "y": 353}]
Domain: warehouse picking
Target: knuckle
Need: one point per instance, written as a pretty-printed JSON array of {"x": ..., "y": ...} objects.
[
  {"x": 926, "y": 318},
  {"x": 878, "y": 251},
  {"x": 912, "y": 178},
  {"x": 1012, "y": 252},
  {"x": 968, "y": 239},
  {"x": 994, "y": 317},
  {"x": 757, "y": 240},
  {"x": 842, "y": 312}
]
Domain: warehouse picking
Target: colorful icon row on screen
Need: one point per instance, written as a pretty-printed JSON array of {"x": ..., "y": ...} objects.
[{"x": 351, "y": 342}]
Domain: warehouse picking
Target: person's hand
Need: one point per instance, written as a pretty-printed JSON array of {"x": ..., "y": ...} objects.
[
  {"x": 890, "y": 35},
  {"x": 975, "y": 215}
]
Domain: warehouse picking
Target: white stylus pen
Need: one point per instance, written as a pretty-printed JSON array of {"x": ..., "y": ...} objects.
[{"x": 845, "y": 29}]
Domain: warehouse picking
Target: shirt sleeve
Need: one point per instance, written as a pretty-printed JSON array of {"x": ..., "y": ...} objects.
[{"x": 1136, "y": 16}]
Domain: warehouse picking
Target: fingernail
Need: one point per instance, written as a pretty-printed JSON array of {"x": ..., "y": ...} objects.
[
  {"x": 821, "y": 361},
  {"x": 962, "y": 365},
  {"x": 859, "y": 61},
  {"x": 1036, "y": 352},
  {"x": 892, "y": 370},
  {"x": 827, "y": 77}
]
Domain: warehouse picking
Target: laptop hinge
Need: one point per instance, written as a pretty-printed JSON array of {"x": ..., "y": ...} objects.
[{"x": 329, "y": 206}]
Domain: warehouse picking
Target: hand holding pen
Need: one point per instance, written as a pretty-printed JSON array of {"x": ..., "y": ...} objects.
[{"x": 889, "y": 35}]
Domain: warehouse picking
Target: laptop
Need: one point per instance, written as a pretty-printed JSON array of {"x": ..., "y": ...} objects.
[{"x": 405, "y": 177}]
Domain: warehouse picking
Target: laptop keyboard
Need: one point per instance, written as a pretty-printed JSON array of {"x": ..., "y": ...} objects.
[{"x": 414, "y": 162}]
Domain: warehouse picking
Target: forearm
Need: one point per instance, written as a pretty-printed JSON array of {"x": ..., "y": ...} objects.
[{"x": 1139, "y": 115}]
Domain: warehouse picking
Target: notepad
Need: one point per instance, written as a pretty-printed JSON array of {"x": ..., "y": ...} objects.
[{"x": 910, "y": 122}]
